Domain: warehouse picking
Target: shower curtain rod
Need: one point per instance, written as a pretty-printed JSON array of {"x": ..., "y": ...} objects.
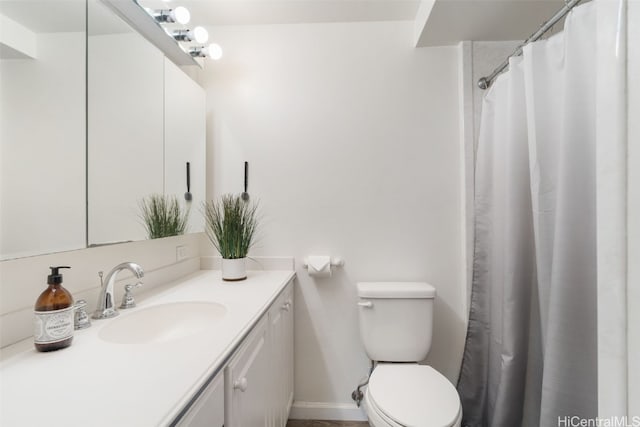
[{"x": 485, "y": 82}]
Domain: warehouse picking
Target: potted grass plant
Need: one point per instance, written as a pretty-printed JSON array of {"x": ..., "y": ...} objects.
[
  {"x": 230, "y": 225},
  {"x": 163, "y": 216}
]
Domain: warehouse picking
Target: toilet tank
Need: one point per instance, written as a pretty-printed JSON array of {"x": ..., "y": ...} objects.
[{"x": 396, "y": 320}]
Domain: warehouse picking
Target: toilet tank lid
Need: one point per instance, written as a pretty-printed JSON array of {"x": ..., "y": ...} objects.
[{"x": 396, "y": 290}]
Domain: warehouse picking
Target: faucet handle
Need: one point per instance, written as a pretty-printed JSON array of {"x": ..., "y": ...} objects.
[
  {"x": 80, "y": 318},
  {"x": 128, "y": 301}
]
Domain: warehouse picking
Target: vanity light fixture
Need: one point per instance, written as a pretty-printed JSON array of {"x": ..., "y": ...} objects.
[
  {"x": 180, "y": 15},
  {"x": 189, "y": 41},
  {"x": 199, "y": 35},
  {"x": 181, "y": 35},
  {"x": 198, "y": 52},
  {"x": 213, "y": 51},
  {"x": 143, "y": 20}
]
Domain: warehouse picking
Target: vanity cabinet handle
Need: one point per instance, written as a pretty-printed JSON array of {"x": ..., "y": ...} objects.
[
  {"x": 286, "y": 306},
  {"x": 241, "y": 384},
  {"x": 365, "y": 304}
]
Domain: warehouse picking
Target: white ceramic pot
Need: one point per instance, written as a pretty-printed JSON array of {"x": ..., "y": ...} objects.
[{"x": 234, "y": 269}]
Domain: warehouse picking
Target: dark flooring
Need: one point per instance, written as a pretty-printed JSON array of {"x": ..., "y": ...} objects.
[{"x": 319, "y": 423}]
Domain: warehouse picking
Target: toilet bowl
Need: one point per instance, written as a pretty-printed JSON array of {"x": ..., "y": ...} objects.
[
  {"x": 411, "y": 395},
  {"x": 396, "y": 325}
]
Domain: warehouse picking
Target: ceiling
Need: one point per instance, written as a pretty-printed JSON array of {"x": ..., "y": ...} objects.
[
  {"x": 260, "y": 12},
  {"x": 451, "y": 21},
  {"x": 444, "y": 22}
]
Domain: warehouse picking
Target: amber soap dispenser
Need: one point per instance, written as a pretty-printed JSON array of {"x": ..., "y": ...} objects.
[{"x": 53, "y": 327}]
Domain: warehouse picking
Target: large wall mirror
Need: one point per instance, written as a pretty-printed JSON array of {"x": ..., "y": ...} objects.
[
  {"x": 84, "y": 137},
  {"x": 125, "y": 125},
  {"x": 146, "y": 120},
  {"x": 42, "y": 127}
]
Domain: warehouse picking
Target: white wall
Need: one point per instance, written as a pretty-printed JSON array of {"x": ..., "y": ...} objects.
[
  {"x": 42, "y": 159},
  {"x": 353, "y": 145}
]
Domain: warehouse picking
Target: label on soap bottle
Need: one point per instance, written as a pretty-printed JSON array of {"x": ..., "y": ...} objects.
[{"x": 53, "y": 326}]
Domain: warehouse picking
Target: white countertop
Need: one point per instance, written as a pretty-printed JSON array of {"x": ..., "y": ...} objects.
[{"x": 96, "y": 383}]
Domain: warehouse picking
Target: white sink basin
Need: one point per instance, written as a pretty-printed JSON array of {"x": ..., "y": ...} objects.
[{"x": 163, "y": 323}]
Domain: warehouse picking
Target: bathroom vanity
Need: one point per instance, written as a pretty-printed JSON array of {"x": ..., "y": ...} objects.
[{"x": 195, "y": 352}]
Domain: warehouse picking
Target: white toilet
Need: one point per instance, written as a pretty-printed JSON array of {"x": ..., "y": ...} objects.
[{"x": 396, "y": 323}]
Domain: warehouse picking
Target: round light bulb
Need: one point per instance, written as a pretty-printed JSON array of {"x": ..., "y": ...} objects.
[
  {"x": 200, "y": 34},
  {"x": 181, "y": 15},
  {"x": 215, "y": 51}
]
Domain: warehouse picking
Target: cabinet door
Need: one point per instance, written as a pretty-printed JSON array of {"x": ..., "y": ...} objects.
[
  {"x": 281, "y": 354},
  {"x": 287, "y": 348},
  {"x": 247, "y": 381},
  {"x": 276, "y": 335},
  {"x": 208, "y": 410}
]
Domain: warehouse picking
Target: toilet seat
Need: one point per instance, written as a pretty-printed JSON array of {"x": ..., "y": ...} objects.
[
  {"x": 412, "y": 395},
  {"x": 375, "y": 417}
]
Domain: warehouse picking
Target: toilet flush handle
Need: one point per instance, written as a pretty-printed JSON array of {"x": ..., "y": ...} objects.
[{"x": 365, "y": 304}]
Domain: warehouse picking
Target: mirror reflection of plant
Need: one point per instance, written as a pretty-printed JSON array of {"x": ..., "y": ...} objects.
[
  {"x": 230, "y": 225},
  {"x": 163, "y": 216}
]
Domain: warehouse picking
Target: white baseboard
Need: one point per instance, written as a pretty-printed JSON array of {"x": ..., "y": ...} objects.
[{"x": 326, "y": 411}]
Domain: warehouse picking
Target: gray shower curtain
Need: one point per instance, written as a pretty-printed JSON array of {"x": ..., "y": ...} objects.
[{"x": 530, "y": 356}]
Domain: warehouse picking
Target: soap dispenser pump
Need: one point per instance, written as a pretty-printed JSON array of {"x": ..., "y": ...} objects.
[{"x": 53, "y": 327}]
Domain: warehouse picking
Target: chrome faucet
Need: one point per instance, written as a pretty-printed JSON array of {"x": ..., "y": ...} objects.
[{"x": 106, "y": 307}]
